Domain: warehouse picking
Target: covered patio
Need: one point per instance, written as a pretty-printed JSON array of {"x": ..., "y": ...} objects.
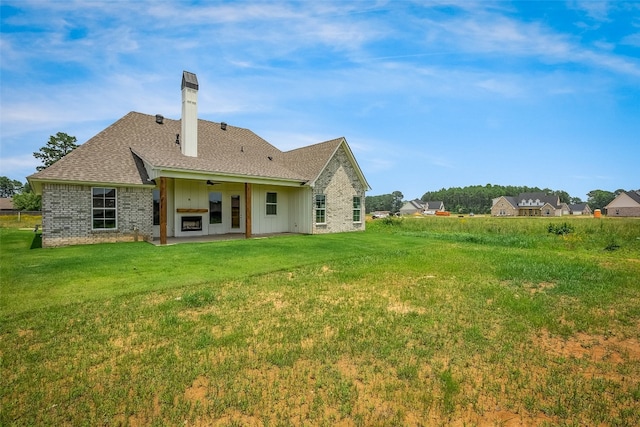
[{"x": 215, "y": 238}]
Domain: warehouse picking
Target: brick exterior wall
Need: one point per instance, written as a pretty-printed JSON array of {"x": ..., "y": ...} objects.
[
  {"x": 339, "y": 182},
  {"x": 503, "y": 208},
  {"x": 624, "y": 211},
  {"x": 66, "y": 216}
]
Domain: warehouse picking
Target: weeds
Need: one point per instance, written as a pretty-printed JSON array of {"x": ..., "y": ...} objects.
[{"x": 560, "y": 230}]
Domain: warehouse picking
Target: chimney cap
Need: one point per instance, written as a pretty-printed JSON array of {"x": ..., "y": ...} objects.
[
  {"x": 159, "y": 119},
  {"x": 189, "y": 80},
  {"x": 223, "y": 126}
]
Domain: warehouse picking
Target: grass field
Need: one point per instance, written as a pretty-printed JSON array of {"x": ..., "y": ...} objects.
[{"x": 433, "y": 321}]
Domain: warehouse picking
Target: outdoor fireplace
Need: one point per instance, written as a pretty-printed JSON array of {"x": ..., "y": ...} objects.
[{"x": 191, "y": 223}]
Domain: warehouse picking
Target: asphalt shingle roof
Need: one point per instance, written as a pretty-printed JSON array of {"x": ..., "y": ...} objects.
[{"x": 113, "y": 155}]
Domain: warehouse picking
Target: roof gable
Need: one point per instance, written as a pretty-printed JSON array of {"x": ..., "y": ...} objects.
[
  {"x": 313, "y": 159},
  {"x": 509, "y": 199},
  {"x": 626, "y": 199}
]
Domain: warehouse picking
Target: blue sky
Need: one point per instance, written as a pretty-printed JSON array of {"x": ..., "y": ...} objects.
[{"x": 428, "y": 94}]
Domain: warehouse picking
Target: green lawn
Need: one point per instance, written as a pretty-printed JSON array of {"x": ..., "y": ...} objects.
[{"x": 433, "y": 321}]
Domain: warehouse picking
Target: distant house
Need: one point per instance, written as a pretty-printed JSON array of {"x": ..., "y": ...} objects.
[
  {"x": 529, "y": 204},
  {"x": 146, "y": 177},
  {"x": 6, "y": 204},
  {"x": 625, "y": 204},
  {"x": 504, "y": 206},
  {"x": 430, "y": 208},
  {"x": 417, "y": 206},
  {"x": 580, "y": 209},
  {"x": 412, "y": 207}
]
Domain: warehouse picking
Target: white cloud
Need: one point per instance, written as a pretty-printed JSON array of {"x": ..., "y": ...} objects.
[
  {"x": 18, "y": 167},
  {"x": 631, "y": 40},
  {"x": 595, "y": 9}
]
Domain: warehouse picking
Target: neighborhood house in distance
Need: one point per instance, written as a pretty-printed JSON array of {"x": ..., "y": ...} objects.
[
  {"x": 148, "y": 177},
  {"x": 417, "y": 206},
  {"x": 626, "y": 203},
  {"x": 536, "y": 204}
]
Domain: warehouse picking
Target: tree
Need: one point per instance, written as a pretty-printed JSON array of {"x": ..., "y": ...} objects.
[
  {"x": 563, "y": 195},
  {"x": 27, "y": 202},
  {"x": 397, "y": 201},
  {"x": 575, "y": 200},
  {"x": 382, "y": 202},
  {"x": 9, "y": 187},
  {"x": 56, "y": 148},
  {"x": 598, "y": 199}
]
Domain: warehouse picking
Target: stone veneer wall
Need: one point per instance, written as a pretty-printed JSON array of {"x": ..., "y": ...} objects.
[
  {"x": 506, "y": 207},
  {"x": 339, "y": 182},
  {"x": 66, "y": 216}
]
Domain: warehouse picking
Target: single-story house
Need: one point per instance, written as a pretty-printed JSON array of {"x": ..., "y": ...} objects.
[
  {"x": 412, "y": 207},
  {"x": 430, "y": 208},
  {"x": 580, "y": 209},
  {"x": 147, "y": 177},
  {"x": 529, "y": 204},
  {"x": 625, "y": 204},
  {"x": 417, "y": 206}
]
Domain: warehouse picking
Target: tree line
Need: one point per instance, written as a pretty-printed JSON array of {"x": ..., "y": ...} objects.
[{"x": 479, "y": 198}]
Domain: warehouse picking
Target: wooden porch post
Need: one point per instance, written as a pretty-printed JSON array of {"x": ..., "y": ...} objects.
[
  {"x": 247, "y": 210},
  {"x": 163, "y": 211}
]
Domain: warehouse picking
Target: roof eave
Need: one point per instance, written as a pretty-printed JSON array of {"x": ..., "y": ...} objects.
[{"x": 225, "y": 177}]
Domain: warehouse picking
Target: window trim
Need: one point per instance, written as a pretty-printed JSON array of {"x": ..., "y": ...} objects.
[
  {"x": 322, "y": 209},
  {"x": 357, "y": 209},
  {"x": 271, "y": 204},
  {"x": 104, "y": 209}
]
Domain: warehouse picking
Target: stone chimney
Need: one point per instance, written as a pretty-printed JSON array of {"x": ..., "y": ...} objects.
[{"x": 189, "y": 131}]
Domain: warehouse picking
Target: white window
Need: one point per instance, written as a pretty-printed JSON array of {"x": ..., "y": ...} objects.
[
  {"x": 321, "y": 209},
  {"x": 272, "y": 203},
  {"x": 357, "y": 209},
  {"x": 104, "y": 208}
]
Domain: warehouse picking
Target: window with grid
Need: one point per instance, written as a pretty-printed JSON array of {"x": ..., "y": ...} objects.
[
  {"x": 321, "y": 208},
  {"x": 357, "y": 210},
  {"x": 103, "y": 213},
  {"x": 272, "y": 203}
]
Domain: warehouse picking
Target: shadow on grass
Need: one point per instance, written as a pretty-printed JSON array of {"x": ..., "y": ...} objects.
[{"x": 37, "y": 241}]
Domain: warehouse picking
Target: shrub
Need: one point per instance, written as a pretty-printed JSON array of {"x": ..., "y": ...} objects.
[
  {"x": 560, "y": 230},
  {"x": 391, "y": 220}
]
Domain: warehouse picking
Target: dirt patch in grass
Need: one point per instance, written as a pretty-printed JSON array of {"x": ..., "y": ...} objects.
[
  {"x": 197, "y": 391},
  {"x": 403, "y": 308},
  {"x": 596, "y": 348},
  {"x": 538, "y": 288}
]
